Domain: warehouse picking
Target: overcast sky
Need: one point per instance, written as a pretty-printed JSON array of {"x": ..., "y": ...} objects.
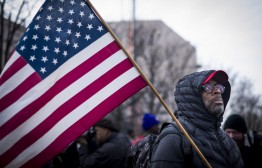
[{"x": 227, "y": 34}]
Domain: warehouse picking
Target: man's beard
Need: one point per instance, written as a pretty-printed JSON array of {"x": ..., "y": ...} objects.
[{"x": 215, "y": 109}]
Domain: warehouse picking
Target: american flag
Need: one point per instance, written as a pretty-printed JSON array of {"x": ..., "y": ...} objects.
[{"x": 66, "y": 73}]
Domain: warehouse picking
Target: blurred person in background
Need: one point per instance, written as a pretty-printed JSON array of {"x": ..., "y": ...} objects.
[
  {"x": 150, "y": 125},
  {"x": 112, "y": 148},
  {"x": 248, "y": 142}
]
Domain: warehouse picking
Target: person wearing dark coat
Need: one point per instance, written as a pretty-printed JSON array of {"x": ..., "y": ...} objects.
[
  {"x": 248, "y": 141},
  {"x": 112, "y": 148},
  {"x": 201, "y": 98}
]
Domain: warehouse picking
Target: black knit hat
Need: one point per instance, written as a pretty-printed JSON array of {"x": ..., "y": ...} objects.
[
  {"x": 236, "y": 122},
  {"x": 106, "y": 123}
]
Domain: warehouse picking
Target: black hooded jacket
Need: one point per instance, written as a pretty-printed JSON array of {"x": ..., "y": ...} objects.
[{"x": 219, "y": 150}]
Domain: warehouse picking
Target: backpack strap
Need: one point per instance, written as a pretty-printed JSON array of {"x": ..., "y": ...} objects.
[
  {"x": 186, "y": 145},
  {"x": 188, "y": 153}
]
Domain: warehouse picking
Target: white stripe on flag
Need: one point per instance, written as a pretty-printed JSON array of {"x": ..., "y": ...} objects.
[
  {"x": 12, "y": 59},
  {"x": 16, "y": 80}
]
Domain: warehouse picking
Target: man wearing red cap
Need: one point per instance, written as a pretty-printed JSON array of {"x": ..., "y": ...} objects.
[{"x": 201, "y": 99}]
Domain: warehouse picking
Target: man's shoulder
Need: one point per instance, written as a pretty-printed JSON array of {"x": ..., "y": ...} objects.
[
  {"x": 115, "y": 142},
  {"x": 170, "y": 128},
  {"x": 120, "y": 138}
]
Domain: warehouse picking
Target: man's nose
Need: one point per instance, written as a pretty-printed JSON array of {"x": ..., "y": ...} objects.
[{"x": 216, "y": 90}]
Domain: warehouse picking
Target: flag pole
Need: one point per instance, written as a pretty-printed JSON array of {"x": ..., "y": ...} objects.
[{"x": 151, "y": 86}]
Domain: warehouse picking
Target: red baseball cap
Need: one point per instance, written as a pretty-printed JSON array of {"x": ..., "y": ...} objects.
[{"x": 219, "y": 76}]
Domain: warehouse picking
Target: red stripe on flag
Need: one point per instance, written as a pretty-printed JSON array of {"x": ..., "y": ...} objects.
[
  {"x": 68, "y": 79},
  {"x": 19, "y": 91},
  {"x": 63, "y": 110},
  {"x": 16, "y": 66},
  {"x": 87, "y": 121}
]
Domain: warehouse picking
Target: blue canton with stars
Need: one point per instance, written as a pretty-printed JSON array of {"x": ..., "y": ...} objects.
[{"x": 59, "y": 30}]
